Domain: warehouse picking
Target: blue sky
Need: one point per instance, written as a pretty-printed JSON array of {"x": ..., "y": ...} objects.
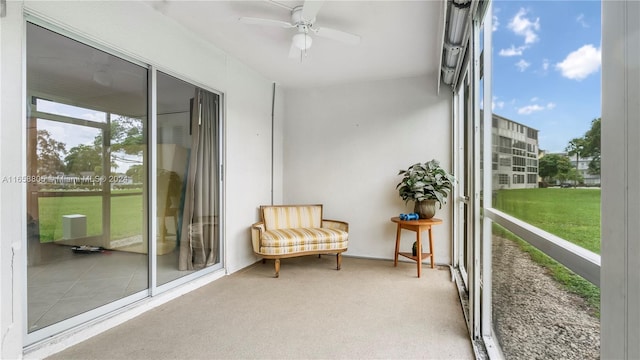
[{"x": 546, "y": 67}]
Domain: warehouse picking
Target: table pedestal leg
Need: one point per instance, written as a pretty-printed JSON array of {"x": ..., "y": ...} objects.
[
  {"x": 431, "y": 249},
  {"x": 419, "y": 251},
  {"x": 395, "y": 259}
]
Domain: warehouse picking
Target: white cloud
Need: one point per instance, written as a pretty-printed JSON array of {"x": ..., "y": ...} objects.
[
  {"x": 523, "y": 26},
  {"x": 534, "y": 99},
  {"x": 526, "y": 110},
  {"x": 522, "y": 65},
  {"x": 580, "y": 63},
  {"x": 529, "y": 109},
  {"x": 580, "y": 20},
  {"x": 495, "y": 104},
  {"x": 545, "y": 64},
  {"x": 512, "y": 51},
  {"x": 495, "y": 23}
]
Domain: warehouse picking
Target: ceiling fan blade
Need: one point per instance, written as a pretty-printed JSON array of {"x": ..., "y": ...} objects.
[
  {"x": 338, "y": 35},
  {"x": 310, "y": 9},
  {"x": 294, "y": 51},
  {"x": 268, "y": 22}
]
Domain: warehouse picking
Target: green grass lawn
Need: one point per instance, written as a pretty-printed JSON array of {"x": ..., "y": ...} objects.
[
  {"x": 572, "y": 214},
  {"x": 126, "y": 215}
]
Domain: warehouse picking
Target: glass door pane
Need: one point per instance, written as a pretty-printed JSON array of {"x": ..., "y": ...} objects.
[
  {"x": 548, "y": 177},
  {"x": 187, "y": 179},
  {"x": 462, "y": 156},
  {"x": 86, "y": 222}
]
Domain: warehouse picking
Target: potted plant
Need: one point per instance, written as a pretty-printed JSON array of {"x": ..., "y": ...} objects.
[{"x": 425, "y": 184}]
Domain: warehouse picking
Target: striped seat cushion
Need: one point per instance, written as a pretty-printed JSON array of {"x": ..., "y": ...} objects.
[
  {"x": 302, "y": 239},
  {"x": 294, "y": 249}
]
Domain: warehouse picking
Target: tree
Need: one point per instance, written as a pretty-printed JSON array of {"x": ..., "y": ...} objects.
[
  {"x": 564, "y": 169},
  {"x": 49, "y": 154},
  {"x": 574, "y": 175},
  {"x": 592, "y": 146},
  {"x": 136, "y": 172},
  {"x": 548, "y": 167},
  {"x": 576, "y": 147},
  {"x": 83, "y": 158},
  {"x": 555, "y": 167},
  {"x": 126, "y": 137}
]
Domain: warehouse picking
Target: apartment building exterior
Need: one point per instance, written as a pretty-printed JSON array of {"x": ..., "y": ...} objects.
[{"x": 514, "y": 155}]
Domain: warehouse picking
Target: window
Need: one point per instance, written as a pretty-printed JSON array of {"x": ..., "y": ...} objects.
[
  {"x": 520, "y": 161},
  {"x": 538, "y": 226},
  {"x": 503, "y": 179},
  {"x": 505, "y": 145}
]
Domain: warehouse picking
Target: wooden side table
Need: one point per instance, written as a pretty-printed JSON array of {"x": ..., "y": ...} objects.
[{"x": 418, "y": 226}]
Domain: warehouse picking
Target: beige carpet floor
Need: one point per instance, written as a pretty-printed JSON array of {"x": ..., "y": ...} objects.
[{"x": 367, "y": 310}]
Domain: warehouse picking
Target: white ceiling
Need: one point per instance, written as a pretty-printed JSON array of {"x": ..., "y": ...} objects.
[{"x": 399, "y": 38}]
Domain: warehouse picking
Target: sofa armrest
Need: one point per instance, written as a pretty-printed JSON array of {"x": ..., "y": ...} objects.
[
  {"x": 335, "y": 224},
  {"x": 256, "y": 234}
]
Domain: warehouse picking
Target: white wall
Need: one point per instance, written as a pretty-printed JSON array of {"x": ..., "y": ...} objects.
[
  {"x": 248, "y": 175},
  {"x": 136, "y": 30},
  {"x": 344, "y": 146}
]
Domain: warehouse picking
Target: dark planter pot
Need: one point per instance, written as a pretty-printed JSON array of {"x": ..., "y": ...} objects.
[
  {"x": 426, "y": 209},
  {"x": 414, "y": 250}
]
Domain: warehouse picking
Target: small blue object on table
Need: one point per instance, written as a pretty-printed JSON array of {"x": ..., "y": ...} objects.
[{"x": 410, "y": 216}]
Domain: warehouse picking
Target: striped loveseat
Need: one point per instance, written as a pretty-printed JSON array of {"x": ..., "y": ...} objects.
[{"x": 296, "y": 230}]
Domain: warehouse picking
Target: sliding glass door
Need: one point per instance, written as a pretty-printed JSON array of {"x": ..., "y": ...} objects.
[{"x": 98, "y": 159}]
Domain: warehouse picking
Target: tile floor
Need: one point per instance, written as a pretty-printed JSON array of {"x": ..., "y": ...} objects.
[{"x": 63, "y": 284}]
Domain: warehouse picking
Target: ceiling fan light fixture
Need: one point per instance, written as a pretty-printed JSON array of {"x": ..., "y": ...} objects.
[
  {"x": 302, "y": 41},
  {"x": 102, "y": 77}
]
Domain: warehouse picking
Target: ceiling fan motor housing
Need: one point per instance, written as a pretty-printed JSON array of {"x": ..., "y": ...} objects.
[{"x": 298, "y": 20}]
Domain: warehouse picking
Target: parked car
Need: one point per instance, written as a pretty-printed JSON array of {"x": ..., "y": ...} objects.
[{"x": 565, "y": 185}]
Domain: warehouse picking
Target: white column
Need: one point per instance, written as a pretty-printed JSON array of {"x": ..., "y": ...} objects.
[
  {"x": 620, "y": 272},
  {"x": 12, "y": 193}
]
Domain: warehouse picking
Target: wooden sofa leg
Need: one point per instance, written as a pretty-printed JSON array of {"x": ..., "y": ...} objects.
[
  {"x": 339, "y": 260},
  {"x": 277, "y": 267}
]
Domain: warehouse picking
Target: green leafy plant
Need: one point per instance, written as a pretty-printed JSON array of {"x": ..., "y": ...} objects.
[{"x": 425, "y": 181}]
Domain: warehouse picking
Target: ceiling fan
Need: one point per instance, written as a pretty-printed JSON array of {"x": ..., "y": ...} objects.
[
  {"x": 101, "y": 67},
  {"x": 303, "y": 18}
]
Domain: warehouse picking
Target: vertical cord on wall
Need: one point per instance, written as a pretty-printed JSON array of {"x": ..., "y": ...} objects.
[{"x": 273, "y": 104}]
